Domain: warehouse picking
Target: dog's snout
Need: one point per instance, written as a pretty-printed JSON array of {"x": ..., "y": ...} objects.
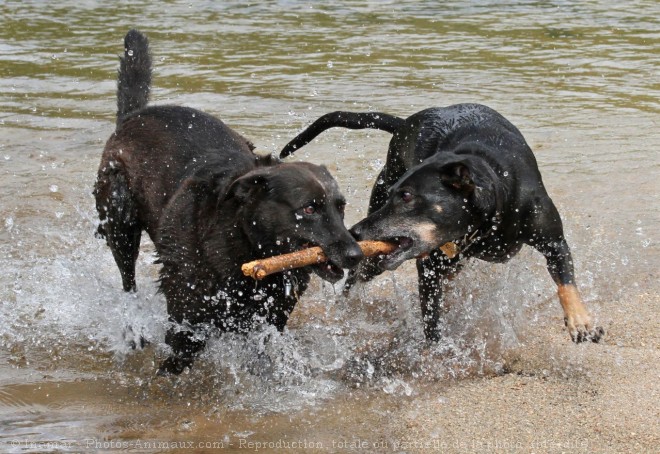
[{"x": 352, "y": 256}]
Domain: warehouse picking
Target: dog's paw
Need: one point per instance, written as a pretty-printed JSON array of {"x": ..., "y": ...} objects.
[
  {"x": 581, "y": 330},
  {"x": 173, "y": 365},
  {"x": 134, "y": 340},
  {"x": 576, "y": 316}
]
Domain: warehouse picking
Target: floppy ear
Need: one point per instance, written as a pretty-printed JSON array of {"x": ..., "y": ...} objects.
[
  {"x": 476, "y": 181},
  {"x": 248, "y": 186},
  {"x": 458, "y": 176}
]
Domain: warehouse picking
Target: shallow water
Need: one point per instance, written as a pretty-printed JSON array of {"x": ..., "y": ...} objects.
[{"x": 581, "y": 82}]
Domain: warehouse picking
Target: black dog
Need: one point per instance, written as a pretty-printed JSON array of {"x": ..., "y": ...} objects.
[
  {"x": 461, "y": 174},
  {"x": 209, "y": 204}
]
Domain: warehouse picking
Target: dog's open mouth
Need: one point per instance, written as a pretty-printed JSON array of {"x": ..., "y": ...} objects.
[
  {"x": 395, "y": 258},
  {"x": 328, "y": 271}
]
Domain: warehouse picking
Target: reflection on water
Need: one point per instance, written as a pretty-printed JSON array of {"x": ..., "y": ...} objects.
[{"x": 579, "y": 80}]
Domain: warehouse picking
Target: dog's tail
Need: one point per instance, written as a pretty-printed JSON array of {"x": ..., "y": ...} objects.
[
  {"x": 134, "y": 77},
  {"x": 351, "y": 120}
]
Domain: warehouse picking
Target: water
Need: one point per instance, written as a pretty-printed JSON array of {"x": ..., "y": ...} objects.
[{"x": 581, "y": 81}]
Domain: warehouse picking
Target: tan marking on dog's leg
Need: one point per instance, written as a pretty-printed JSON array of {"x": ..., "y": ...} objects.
[{"x": 576, "y": 316}]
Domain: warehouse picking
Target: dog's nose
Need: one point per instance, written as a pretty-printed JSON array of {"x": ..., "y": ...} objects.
[
  {"x": 352, "y": 256},
  {"x": 356, "y": 231}
]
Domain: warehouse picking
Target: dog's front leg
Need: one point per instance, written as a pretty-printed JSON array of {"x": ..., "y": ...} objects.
[
  {"x": 185, "y": 345},
  {"x": 431, "y": 272},
  {"x": 576, "y": 316}
]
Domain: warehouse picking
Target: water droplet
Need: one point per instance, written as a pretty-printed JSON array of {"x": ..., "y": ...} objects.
[
  {"x": 376, "y": 164},
  {"x": 330, "y": 64},
  {"x": 130, "y": 52},
  {"x": 54, "y": 188},
  {"x": 506, "y": 174}
]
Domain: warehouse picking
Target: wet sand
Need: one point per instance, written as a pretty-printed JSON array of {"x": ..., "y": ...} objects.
[{"x": 558, "y": 397}]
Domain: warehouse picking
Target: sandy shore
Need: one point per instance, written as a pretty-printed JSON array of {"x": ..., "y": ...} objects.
[{"x": 557, "y": 398}]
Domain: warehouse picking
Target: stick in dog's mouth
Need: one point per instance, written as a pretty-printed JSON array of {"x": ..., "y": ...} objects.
[
  {"x": 259, "y": 269},
  {"x": 401, "y": 245}
]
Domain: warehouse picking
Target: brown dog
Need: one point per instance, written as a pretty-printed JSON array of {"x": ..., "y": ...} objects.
[{"x": 209, "y": 204}]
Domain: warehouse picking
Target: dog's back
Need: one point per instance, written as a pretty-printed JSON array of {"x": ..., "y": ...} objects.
[{"x": 465, "y": 129}]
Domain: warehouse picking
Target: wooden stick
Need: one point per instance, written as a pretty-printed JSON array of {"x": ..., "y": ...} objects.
[{"x": 259, "y": 269}]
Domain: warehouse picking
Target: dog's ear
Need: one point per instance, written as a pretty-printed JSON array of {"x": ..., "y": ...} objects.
[
  {"x": 248, "y": 186},
  {"x": 458, "y": 176},
  {"x": 475, "y": 181}
]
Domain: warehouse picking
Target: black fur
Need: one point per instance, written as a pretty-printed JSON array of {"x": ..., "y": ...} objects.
[
  {"x": 461, "y": 174},
  {"x": 350, "y": 120},
  {"x": 210, "y": 204},
  {"x": 134, "y": 76}
]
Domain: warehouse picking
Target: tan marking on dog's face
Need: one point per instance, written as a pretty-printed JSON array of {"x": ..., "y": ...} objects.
[
  {"x": 438, "y": 208},
  {"x": 426, "y": 232}
]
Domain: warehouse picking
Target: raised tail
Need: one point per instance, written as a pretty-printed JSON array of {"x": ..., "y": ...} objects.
[
  {"x": 351, "y": 120},
  {"x": 134, "y": 76}
]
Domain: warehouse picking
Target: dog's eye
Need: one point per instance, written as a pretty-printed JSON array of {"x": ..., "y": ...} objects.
[
  {"x": 406, "y": 196},
  {"x": 309, "y": 209}
]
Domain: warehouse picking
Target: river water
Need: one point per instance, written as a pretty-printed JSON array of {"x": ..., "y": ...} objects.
[{"x": 580, "y": 80}]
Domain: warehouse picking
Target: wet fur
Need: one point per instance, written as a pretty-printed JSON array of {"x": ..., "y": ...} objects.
[
  {"x": 466, "y": 171},
  {"x": 209, "y": 204}
]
